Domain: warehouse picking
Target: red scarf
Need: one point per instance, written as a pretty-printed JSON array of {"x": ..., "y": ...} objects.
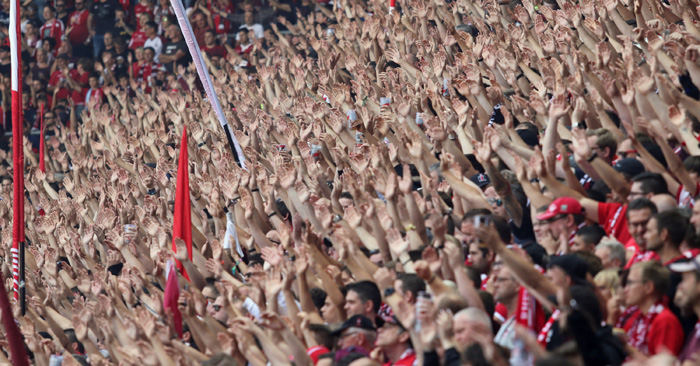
[
  {"x": 639, "y": 329},
  {"x": 529, "y": 313},
  {"x": 546, "y": 332}
]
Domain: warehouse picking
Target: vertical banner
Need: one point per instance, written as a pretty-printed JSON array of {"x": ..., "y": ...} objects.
[
  {"x": 182, "y": 218},
  {"x": 196, "y": 53},
  {"x": 42, "y": 163},
  {"x": 17, "y": 145}
]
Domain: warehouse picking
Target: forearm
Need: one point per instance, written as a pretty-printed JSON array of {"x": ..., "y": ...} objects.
[{"x": 466, "y": 289}]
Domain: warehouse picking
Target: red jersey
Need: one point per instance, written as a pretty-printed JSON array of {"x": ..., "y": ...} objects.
[
  {"x": 140, "y": 9},
  {"x": 57, "y": 77},
  {"x": 144, "y": 71},
  {"x": 215, "y": 51},
  {"x": 138, "y": 39},
  {"x": 613, "y": 218},
  {"x": 221, "y": 25},
  {"x": 79, "y": 22},
  {"x": 408, "y": 358},
  {"x": 52, "y": 29},
  {"x": 686, "y": 199},
  {"x": 665, "y": 332}
]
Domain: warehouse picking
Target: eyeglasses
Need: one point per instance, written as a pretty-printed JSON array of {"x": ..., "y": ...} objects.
[
  {"x": 216, "y": 308},
  {"x": 497, "y": 201}
]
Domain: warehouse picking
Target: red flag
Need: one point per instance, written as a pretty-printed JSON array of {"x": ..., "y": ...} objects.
[
  {"x": 170, "y": 297},
  {"x": 42, "y": 165},
  {"x": 17, "y": 140},
  {"x": 14, "y": 338},
  {"x": 182, "y": 223}
]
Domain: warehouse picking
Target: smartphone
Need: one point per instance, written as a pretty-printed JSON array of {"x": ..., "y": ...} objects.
[{"x": 481, "y": 220}]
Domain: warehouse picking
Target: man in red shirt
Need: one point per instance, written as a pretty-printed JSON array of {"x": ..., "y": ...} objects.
[
  {"x": 210, "y": 47},
  {"x": 564, "y": 216},
  {"x": 394, "y": 342},
  {"x": 52, "y": 28},
  {"x": 64, "y": 79},
  {"x": 79, "y": 29},
  {"x": 199, "y": 26},
  {"x": 665, "y": 234},
  {"x": 147, "y": 69},
  {"x": 651, "y": 327}
]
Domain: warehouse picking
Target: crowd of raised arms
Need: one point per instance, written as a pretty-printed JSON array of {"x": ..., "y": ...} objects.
[{"x": 430, "y": 182}]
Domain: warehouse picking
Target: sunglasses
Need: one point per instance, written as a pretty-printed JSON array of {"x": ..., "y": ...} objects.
[{"x": 497, "y": 201}]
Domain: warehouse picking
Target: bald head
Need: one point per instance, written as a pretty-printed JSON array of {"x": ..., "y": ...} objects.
[{"x": 664, "y": 202}]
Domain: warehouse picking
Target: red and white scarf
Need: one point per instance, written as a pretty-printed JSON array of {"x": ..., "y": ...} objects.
[
  {"x": 529, "y": 313},
  {"x": 546, "y": 332},
  {"x": 640, "y": 328}
]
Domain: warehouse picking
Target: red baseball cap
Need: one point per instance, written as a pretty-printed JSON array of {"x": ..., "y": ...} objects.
[{"x": 562, "y": 206}]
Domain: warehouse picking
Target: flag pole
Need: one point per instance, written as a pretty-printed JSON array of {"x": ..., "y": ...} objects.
[
  {"x": 198, "y": 60},
  {"x": 17, "y": 156}
]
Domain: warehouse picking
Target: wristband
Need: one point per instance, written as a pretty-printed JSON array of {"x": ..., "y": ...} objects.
[
  {"x": 255, "y": 190},
  {"x": 410, "y": 227},
  {"x": 272, "y": 214},
  {"x": 406, "y": 261},
  {"x": 431, "y": 280},
  {"x": 595, "y": 155},
  {"x": 389, "y": 291}
]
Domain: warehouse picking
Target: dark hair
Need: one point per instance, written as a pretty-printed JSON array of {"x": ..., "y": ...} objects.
[
  {"x": 411, "y": 282},
  {"x": 469, "y": 215},
  {"x": 592, "y": 234},
  {"x": 367, "y": 290},
  {"x": 502, "y": 227},
  {"x": 675, "y": 223},
  {"x": 594, "y": 263},
  {"x": 641, "y": 204},
  {"x": 254, "y": 259},
  {"x": 318, "y": 296},
  {"x": 473, "y": 275},
  {"x": 151, "y": 24},
  {"x": 651, "y": 183},
  {"x": 346, "y": 195},
  {"x": 322, "y": 334},
  {"x": 72, "y": 338},
  {"x": 489, "y": 303},
  {"x": 474, "y": 356}
]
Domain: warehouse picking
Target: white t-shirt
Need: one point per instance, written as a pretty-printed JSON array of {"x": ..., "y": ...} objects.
[
  {"x": 256, "y": 28},
  {"x": 156, "y": 44}
]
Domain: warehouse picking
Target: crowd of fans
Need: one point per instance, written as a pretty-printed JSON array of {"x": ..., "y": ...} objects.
[{"x": 440, "y": 183}]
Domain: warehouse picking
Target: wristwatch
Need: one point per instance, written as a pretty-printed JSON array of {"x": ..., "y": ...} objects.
[{"x": 389, "y": 291}]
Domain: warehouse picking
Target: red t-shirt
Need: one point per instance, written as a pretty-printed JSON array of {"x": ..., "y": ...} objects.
[
  {"x": 215, "y": 51},
  {"x": 57, "y": 77},
  {"x": 408, "y": 358},
  {"x": 613, "y": 218},
  {"x": 665, "y": 332},
  {"x": 199, "y": 34},
  {"x": 83, "y": 80},
  {"x": 221, "y": 25},
  {"x": 79, "y": 22},
  {"x": 52, "y": 29},
  {"x": 138, "y": 39},
  {"x": 140, "y": 9}
]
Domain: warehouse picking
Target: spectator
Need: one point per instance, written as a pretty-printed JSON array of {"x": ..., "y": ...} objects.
[
  {"x": 79, "y": 29},
  {"x": 612, "y": 253},
  {"x": 152, "y": 39},
  {"x": 53, "y": 28},
  {"x": 651, "y": 326},
  {"x": 175, "y": 52},
  {"x": 103, "y": 15}
]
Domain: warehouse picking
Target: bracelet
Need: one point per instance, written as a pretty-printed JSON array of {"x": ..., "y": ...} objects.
[
  {"x": 535, "y": 180},
  {"x": 431, "y": 280},
  {"x": 406, "y": 261},
  {"x": 410, "y": 227},
  {"x": 272, "y": 214},
  {"x": 197, "y": 198},
  {"x": 595, "y": 155},
  {"x": 255, "y": 190}
]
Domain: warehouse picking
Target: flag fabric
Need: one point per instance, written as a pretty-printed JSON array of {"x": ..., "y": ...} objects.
[
  {"x": 42, "y": 164},
  {"x": 14, "y": 338},
  {"x": 182, "y": 222},
  {"x": 171, "y": 295},
  {"x": 199, "y": 64},
  {"x": 17, "y": 141},
  {"x": 392, "y": 5}
]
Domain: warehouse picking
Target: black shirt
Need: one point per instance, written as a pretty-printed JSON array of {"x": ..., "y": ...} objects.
[
  {"x": 171, "y": 49},
  {"x": 103, "y": 13}
]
